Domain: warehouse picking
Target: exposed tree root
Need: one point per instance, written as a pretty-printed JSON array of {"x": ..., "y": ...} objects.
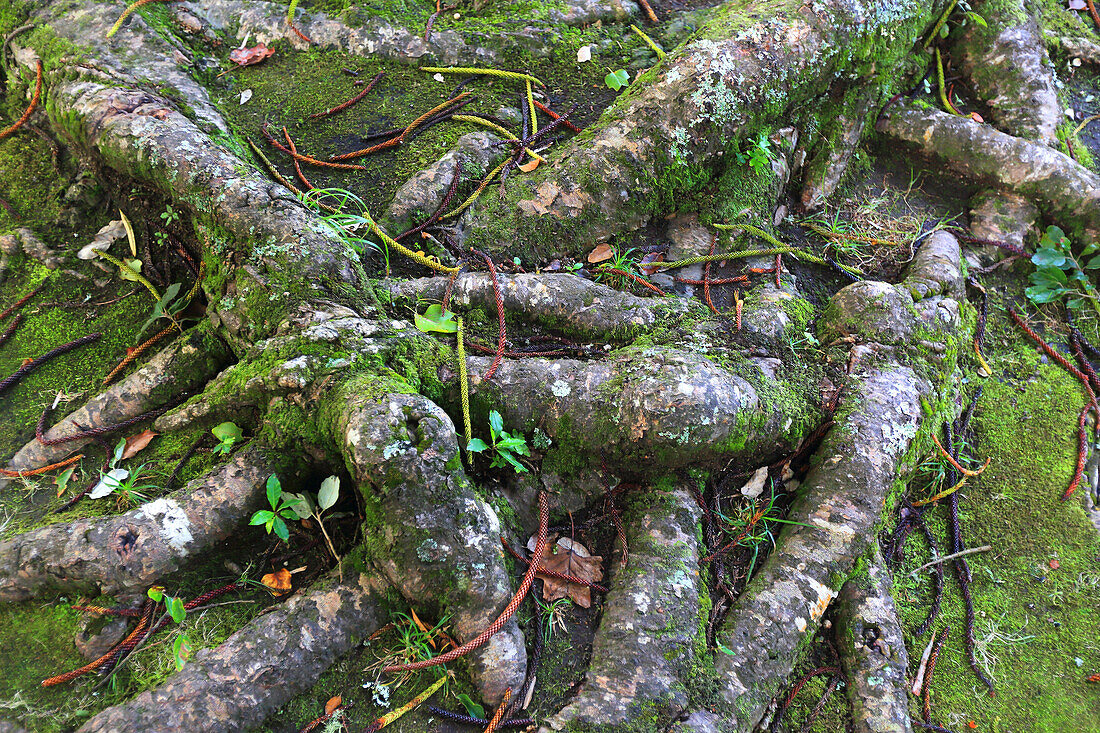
[
  {"x": 1007, "y": 63},
  {"x": 264, "y": 665},
  {"x": 1058, "y": 185},
  {"x": 872, "y": 652},
  {"x": 577, "y": 306},
  {"x": 1001, "y": 217},
  {"x": 841, "y": 499},
  {"x": 182, "y": 366},
  {"x": 131, "y": 551},
  {"x": 643, "y": 652}
]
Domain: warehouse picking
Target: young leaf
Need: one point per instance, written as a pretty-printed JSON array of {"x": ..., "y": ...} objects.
[
  {"x": 181, "y": 650},
  {"x": 63, "y": 480},
  {"x": 262, "y": 517},
  {"x": 328, "y": 493},
  {"x": 175, "y": 608},
  {"x": 281, "y": 529},
  {"x": 476, "y": 445},
  {"x": 300, "y": 506},
  {"x": 436, "y": 319},
  {"x": 274, "y": 491},
  {"x": 475, "y": 710},
  {"x": 496, "y": 424},
  {"x": 120, "y": 448},
  {"x": 226, "y": 431},
  {"x": 617, "y": 79},
  {"x": 156, "y": 593}
]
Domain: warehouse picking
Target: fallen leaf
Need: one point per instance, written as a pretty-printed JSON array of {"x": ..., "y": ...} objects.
[
  {"x": 332, "y": 704},
  {"x": 162, "y": 114},
  {"x": 529, "y": 165},
  {"x": 1054, "y": 564},
  {"x": 250, "y": 56},
  {"x": 648, "y": 260},
  {"x": 977, "y": 118},
  {"x": 584, "y": 53},
  {"x": 570, "y": 563},
  {"x": 1077, "y": 4},
  {"x": 278, "y": 582},
  {"x": 422, "y": 627},
  {"x": 136, "y": 443},
  {"x": 602, "y": 252},
  {"x": 110, "y": 481},
  {"x": 246, "y": 95}
]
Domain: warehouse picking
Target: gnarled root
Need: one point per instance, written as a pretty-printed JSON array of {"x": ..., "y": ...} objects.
[
  {"x": 182, "y": 366},
  {"x": 279, "y": 655},
  {"x": 130, "y": 551},
  {"x": 644, "y": 647},
  {"x": 577, "y": 306},
  {"x": 872, "y": 652},
  {"x": 403, "y": 452},
  {"x": 1056, "y": 183}
]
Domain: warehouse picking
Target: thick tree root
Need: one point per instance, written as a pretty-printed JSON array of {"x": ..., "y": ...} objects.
[
  {"x": 841, "y": 499},
  {"x": 646, "y": 407},
  {"x": 181, "y": 367},
  {"x": 826, "y": 168},
  {"x": 1007, "y": 63},
  {"x": 403, "y": 452},
  {"x": 574, "y": 305},
  {"x": 264, "y": 665},
  {"x": 644, "y": 648},
  {"x": 872, "y": 652},
  {"x": 131, "y": 551},
  {"x": 690, "y": 116},
  {"x": 1060, "y": 187},
  {"x": 1001, "y": 217}
]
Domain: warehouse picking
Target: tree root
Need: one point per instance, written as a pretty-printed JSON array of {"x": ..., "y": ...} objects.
[
  {"x": 841, "y": 499},
  {"x": 646, "y": 407},
  {"x": 182, "y": 366},
  {"x": 573, "y": 305},
  {"x": 1058, "y": 185},
  {"x": 644, "y": 648},
  {"x": 872, "y": 652},
  {"x": 1007, "y": 63},
  {"x": 403, "y": 452},
  {"x": 130, "y": 551},
  {"x": 259, "y": 668}
]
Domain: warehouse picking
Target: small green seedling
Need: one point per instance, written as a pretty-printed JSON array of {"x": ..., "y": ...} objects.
[
  {"x": 759, "y": 154},
  {"x": 504, "y": 445},
  {"x": 227, "y": 434},
  {"x": 282, "y": 509},
  {"x": 305, "y": 506},
  {"x": 1060, "y": 274},
  {"x": 181, "y": 647},
  {"x": 616, "y": 80},
  {"x": 123, "y": 482}
]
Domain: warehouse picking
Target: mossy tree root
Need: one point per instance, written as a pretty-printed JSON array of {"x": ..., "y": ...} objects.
[
  {"x": 572, "y": 305},
  {"x": 129, "y": 552},
  {"x": 259, "y": 668},
  {"x": 872, "y": 652},
  {"x": 1063, "y": 189},
  {"x": 181, "y": 367}
]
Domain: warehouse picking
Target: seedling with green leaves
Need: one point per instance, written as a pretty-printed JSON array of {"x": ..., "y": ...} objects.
[
  {"x": 1059, "y": 273},
  {"x": 127, "y": 485},
  {"x": 282, "y": 509},
  {"x": 759, "y": 154},
  {"x": 347, "y": 219},
  {"x": 305, "y": 507},
  {"x": 227, "y": 434},
  {"x": 174, "y": 607},
  {"x": 504, "y": 446}
]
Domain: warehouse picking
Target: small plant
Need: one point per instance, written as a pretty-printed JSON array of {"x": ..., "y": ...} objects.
[
  {"x": 616, "y": 80},
  {"x": 181, "y": 647},
  {"x": 126, "y": 484},
  {"x": 227, "y": 434},
  {"x": 503, "y": 445},
  {"x": 759, "y": 154},
  {"x": 553, "y": 615},
  {"x": 622, "y": 261},
  {"x": 1059, "y": 273},
  {"x": 306, "y": 507},
  {"x": 169, "y": 216},
  {"x": 346, "y": 221},
  {"x": 282, "y": 509}
]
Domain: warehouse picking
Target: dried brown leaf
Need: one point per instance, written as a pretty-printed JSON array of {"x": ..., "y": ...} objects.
[
  {"x": 250, "y": 56},
  {"x": 564, "y": 561},
  {"x": 333, "y": 703},
  {"x": 530, "y": 165},
  {"x": 136, "y": 443},
  {"x": 278, "y": 582},
  {"x": 602, "y": 252}
]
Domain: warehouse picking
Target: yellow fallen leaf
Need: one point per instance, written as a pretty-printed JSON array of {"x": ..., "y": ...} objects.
[
  {"x": 530, "y": 165},
  {"x": 278, "y": 582},
  {"x": 332, "y": 704}
]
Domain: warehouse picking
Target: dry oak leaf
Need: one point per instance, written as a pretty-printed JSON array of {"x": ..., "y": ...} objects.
[
  {"x": 136, "y": 443},
  {"x": 332, "y": 704},
  {"x": 566, "y": 561},
  {"x": 250, "y": 56},
  {"x": 602, "y": 252},
  {"x": 278, "y": 582}
]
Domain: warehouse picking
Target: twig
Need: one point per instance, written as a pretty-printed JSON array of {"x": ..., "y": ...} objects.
[{"x": 952, "y": 556}]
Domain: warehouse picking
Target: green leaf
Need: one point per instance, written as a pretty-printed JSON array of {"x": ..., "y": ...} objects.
[
  {"x": 63, "y": 480},
  {"x": 436, "y": 319},
  {"x": 519, "y": 467},
  {"x": 227, "y": 431},
  {"x": 155, "y": 594},
  {"x": 131, "y": 270},
  {"x": 725, "y": 649},
  {"x": 274, "y": 491},
  {"x": 298, "y": 505},
  {"x": 1093, "y": 264},
  {"x": 1075, "y": 303},
  {"x": 1049, "y": 276},
  {"x": 617, "y": 79},
  {"x": 979, "y": 20},
  {"x": 120, "y": 448},
  {"x": 475, "y": 710},
  {"x": 1048, "y": 257},
  {"x": 476, "y": 445},
  {"x": 328, "y": 493},
  {"x": 175, "y": 608},
  {"x": 1039, "y": 294},
  {"x": 496, "y": 424},
  {"x": 261, "y": 517},
  {"x": 181, "y": 650},
  {"x": 281, "y": 529}
]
